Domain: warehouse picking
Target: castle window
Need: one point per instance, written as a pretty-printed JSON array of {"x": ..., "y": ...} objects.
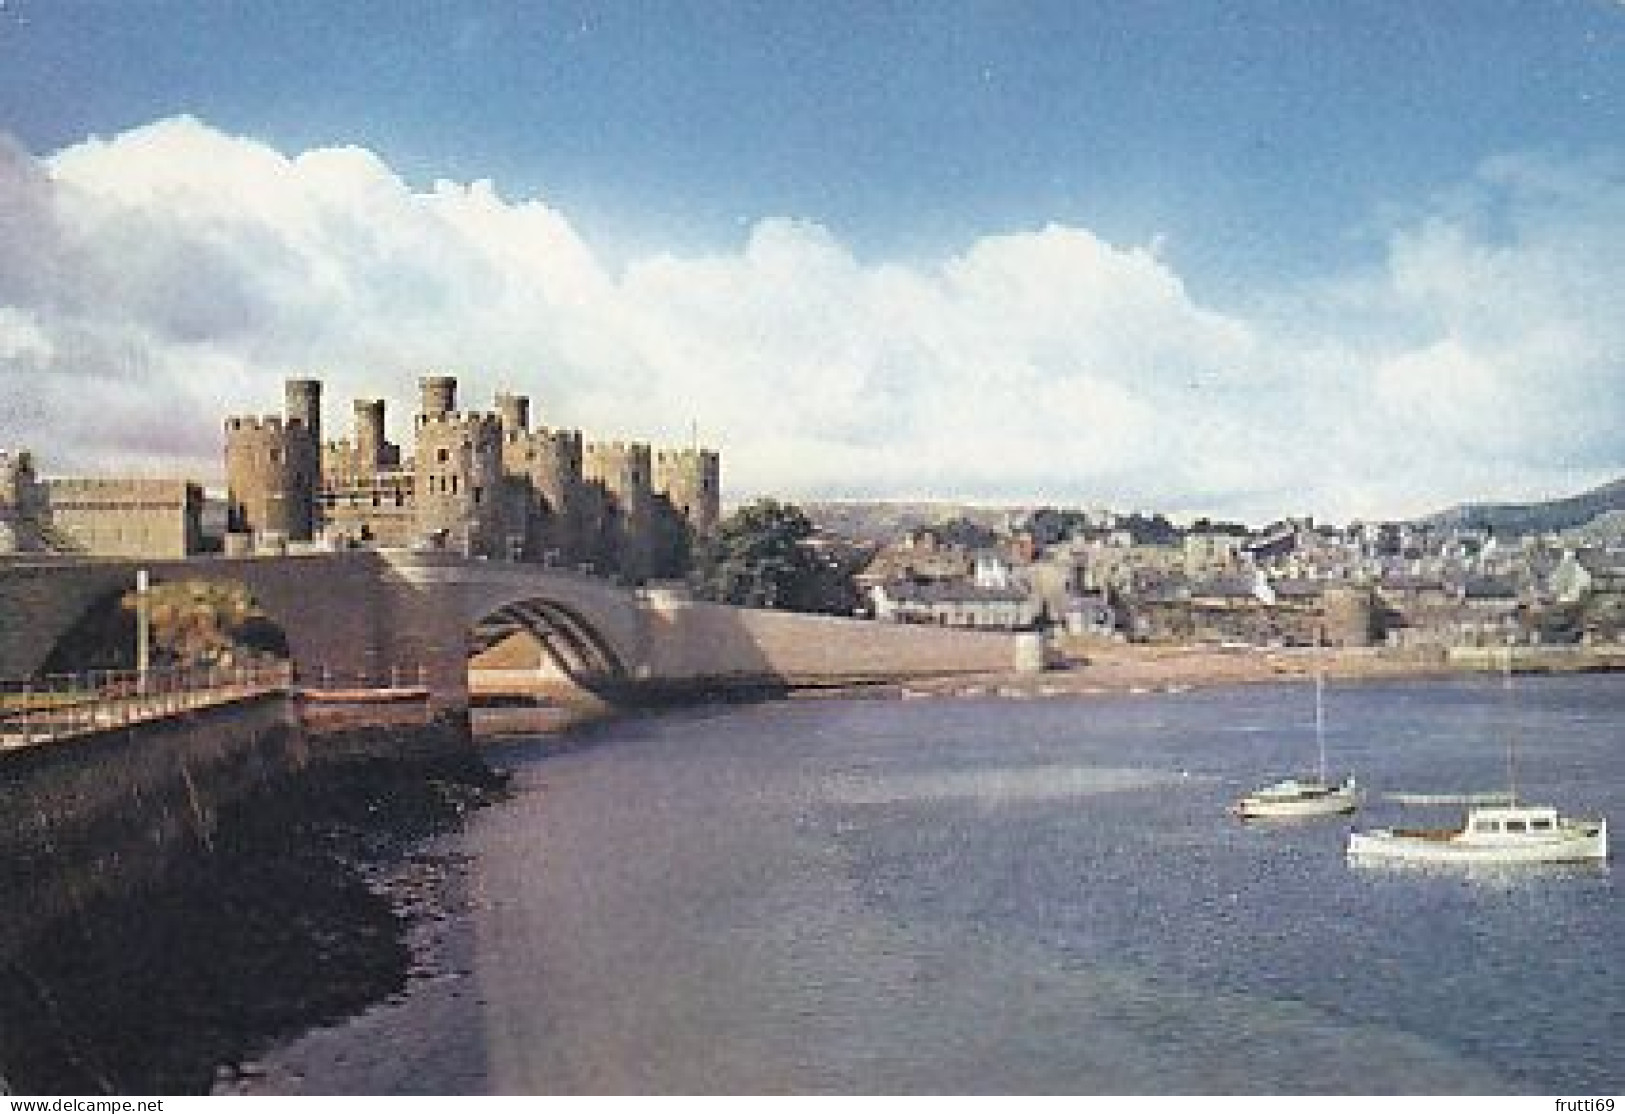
[
  {"x": 454, "y": 485},
  {"x": 478, "y": 493},
  {"x": 443, "y": 455}
]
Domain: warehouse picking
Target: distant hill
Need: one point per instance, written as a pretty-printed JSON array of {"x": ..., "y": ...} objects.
[
  {"x": 884, "y": 522},
  {"x": 1606, "y": 529},
  {"x": 1535, "y": 518}
]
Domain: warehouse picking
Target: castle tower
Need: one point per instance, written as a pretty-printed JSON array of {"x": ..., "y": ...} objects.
[
  {"x": 458, "y": 482},
  {"x": 514, "y": 410},
  {"x": 21, "y": 499},
  {"x": 260, "y": 489},
  {"x": 692, "y": 480},
  {"x": 623, "y": 472},
  {"x": 273, "y": 467},
  {"x": 439, "y": 393},
  {"x": 546, "y": 468},
  {"x": 303, "y": 404},
  {"x": 369, "y": 436}
]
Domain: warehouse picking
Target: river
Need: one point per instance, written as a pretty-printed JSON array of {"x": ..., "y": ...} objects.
[{"x": 992, "y": 895}]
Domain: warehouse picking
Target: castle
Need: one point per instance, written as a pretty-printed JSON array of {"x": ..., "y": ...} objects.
[{"x": 478, "y": 483}]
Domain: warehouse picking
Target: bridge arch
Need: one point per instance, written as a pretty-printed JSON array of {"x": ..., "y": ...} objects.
[
  {"x": 592, "y": 629},
  {"x": 576, "y": 649}
]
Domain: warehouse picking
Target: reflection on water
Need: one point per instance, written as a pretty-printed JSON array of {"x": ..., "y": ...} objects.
[
  {"x": 1036, "y": 896},
  {"x": 1491, "y": 876}
]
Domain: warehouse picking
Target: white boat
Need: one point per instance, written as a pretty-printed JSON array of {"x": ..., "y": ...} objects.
[
  {"x": 1297, "y": 797},
  {"x": 1490, "y": 834},
  {"x": 1496, "y": 830}
]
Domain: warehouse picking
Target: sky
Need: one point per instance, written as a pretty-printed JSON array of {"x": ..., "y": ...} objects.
[{"x": 1242, "y": 259}]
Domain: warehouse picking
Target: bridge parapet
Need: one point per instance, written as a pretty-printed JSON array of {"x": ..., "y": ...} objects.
[{"x": 376, "y": 613}]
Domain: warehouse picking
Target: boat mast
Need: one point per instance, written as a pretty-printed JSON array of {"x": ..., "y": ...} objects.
[
  {"x": 1320, "y": 719},
  {"x": 1506, "y": 720}
]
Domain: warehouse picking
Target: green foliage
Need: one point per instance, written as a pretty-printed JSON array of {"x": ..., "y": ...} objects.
[
  {"x": 759, "y": 557},
  {"x": 199, "y": 621}
]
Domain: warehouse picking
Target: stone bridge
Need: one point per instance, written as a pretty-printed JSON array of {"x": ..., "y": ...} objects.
[{"x": 368, "y": 615}]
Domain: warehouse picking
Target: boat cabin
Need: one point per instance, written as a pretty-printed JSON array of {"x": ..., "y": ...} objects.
[{"x": 1512, "y": 821}]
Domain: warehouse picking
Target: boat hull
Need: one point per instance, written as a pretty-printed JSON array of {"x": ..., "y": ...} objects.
[
  {"x": 1331, "y": 804},
  {"x": 1298, "y": 798},
  {"x": 1579, "y": 843}
]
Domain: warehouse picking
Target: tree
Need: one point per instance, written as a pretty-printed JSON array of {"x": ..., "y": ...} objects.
[
  {"x": 759, "y": 557},
  {"x": 200, "y": 621}
]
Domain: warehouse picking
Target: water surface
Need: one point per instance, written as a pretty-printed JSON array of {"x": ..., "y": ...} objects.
[{"x": 973, "y": 895}]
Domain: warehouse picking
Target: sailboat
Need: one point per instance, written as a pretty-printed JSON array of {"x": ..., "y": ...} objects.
[
  {"x": 1303, "y": 796},
  {"x": 1497, "y": 829}
]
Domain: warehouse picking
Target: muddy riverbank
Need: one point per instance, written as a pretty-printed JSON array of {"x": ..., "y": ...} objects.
[{"x": 294, "y": 912}]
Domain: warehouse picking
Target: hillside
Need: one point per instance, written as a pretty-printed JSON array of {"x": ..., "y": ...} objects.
[
  {"x": 883, "y": 522},
  {"x": 1535, "y": 518},
  {"x": 1605, "y": 530}
]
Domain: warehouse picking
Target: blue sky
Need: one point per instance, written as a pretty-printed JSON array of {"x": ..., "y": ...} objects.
[{"x": 1267, "y": 217}]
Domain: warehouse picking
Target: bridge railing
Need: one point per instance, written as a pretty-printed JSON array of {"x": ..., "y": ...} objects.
[
  {"x": 322, "y": 677},
  {"x": 43, "y": 709}
]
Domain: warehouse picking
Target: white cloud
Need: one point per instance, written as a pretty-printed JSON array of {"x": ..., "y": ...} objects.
[{"x": 174, "y": 274}]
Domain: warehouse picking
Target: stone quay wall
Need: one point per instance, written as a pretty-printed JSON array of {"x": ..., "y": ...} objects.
[
  {"x": 694, "y": 644},
  {"x": 96, "y": 814}
]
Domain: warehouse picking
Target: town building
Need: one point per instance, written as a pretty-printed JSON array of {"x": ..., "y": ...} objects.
[{"x": 954, "y": 604}]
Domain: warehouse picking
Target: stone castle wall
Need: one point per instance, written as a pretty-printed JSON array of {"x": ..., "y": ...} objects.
[
  {"x": 126, "y": 518},
  {"x": 105, "y": 517}
]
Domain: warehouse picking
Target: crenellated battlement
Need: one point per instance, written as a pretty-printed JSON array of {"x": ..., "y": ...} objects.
[
  {"x": 90, "y": 485},
  {"x": 484, "y": 422},
  {"x": 612, "y": 452},
  {"x": 16, "y": 466},
  {"x": 686, "y": 457},
  {"x": 255, "y": 423},
  {"x": 264, "y": 423},
  {"x": 553, "y": 440}
]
